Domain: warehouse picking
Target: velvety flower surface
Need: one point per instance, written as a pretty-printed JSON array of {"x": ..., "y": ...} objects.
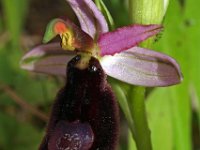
[
  {"x": 84, "y": 115},
  {"x": 117, "y": 51}
]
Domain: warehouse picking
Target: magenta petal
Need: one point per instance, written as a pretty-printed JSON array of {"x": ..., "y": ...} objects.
[
  {"x": 71, "y": 136},
  {"x": 91, "y": 19},
  {"x": 49, "y": 59},
  {"x": 139, "y": 66},
  {"x": 125, "y": 38}
]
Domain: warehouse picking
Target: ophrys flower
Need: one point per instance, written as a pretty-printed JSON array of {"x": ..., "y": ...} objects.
[
  {"x": 117, "y": 51},
  {"x": 87, "y": 103}
]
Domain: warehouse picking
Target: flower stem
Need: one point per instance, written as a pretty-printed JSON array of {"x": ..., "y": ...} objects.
[
  {"x": 143, "y": 12},
  {"x": 137, "y": 108}
]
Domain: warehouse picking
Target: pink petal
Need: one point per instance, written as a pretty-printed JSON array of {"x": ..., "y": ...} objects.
[
  {"x": 91, "y": 19},
  {"x": 143, "y": 67},
  {"x": 125, "y": 38},
  {"x": 49, "y": 59}
]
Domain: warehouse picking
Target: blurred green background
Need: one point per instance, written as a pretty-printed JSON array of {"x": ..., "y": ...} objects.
[{"x": 26, "y": 98}]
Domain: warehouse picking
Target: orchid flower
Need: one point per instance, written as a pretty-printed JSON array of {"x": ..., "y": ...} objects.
[{"x": 117, "y": 51}]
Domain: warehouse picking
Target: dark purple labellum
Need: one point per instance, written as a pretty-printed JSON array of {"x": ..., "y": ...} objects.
[{"x": 85, "y": 107}]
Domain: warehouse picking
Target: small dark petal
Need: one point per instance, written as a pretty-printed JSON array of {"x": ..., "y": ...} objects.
[
  {"x": 72, "y": 136},
  {"x": 82, "y": 41}
]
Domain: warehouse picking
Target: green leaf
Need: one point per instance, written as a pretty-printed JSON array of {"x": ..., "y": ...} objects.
[
  {"x": 192, "y": 23},
  {"x": 120, "y": 89},
  {"x": 17, "y": 135},
  {"x": 101, "y": 6},
  {"x": 131, "y": 142},
  {"x": 177, "y": 43},
  {"x": 15, "y": 13},
  {"x": 159, "y": 107},
  {"x": 118, "y": 11}
]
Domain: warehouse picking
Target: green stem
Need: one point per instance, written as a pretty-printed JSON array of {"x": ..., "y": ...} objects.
[
  {"x": 97, "y": 2},
  {"x": 143, "y": 12},
  {"x": 137, "y": 108},
  {"x": 122, "y": 99},
  {"x": 137, "y": 94}
]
